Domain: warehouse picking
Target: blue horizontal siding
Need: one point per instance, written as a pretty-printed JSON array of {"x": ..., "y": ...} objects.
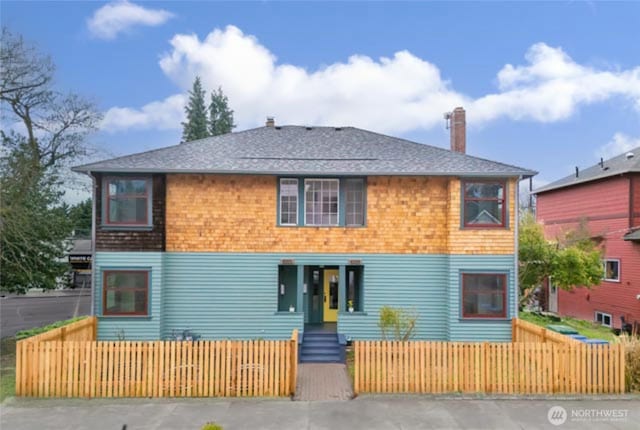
[
  {"x": 133, "y": 328},
  {"x": 235, "y": 296}
]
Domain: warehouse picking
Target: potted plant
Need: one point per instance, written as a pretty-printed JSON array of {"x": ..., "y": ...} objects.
[
  {"x": 292, "y": 308},
  {"x": 350, "y": 306}
]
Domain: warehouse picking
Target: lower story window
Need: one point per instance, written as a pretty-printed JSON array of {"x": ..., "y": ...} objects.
[
  {"x": 484, "y": 295},
  {"x": 125, "y": 292},
  {"x": 604, "y": 319},
  {"x": 354, "y": 288}
]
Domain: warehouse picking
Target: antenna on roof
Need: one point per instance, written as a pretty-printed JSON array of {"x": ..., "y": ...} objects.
[
  {"x": 601, "y": 163},
  {"x": 447, "y": 120},
  {"x": 577, "y": 172}
]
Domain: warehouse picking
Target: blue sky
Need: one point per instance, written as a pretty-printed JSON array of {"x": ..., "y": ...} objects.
[{"x": 547, "y": 86}]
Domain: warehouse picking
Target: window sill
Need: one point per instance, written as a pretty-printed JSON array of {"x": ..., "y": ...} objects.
[
  {"x": 481, "y": 319},
  {"x": 472, "y": 227},
  {"x": 126, "y": 227},
  {"x": 287, "y": 313},
  {"x": 358, "y": 313},
  {"x": 124, "y": 317}
]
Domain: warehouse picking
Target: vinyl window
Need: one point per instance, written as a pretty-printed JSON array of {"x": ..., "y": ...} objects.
[
  {"x": 484, "y": 295},
  {"x": 604, "y": 319},
  {"x": 125, "y": 292},
  {"x": 321, "y": 201},
  {"x": 484, "y": 203},
  {"x": 128, "y": 201},
  {"x": 288, "y": 201},
  {"x": 611, "y": 270}
]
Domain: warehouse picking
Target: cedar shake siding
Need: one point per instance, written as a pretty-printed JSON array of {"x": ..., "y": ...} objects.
[{"x": 151, "y": 238}]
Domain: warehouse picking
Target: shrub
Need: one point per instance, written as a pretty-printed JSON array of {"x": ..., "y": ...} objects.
[
  {"x": 632, "y": 361},
  {"x": 397, "y": 322},
  {"x": 211, "y": 426},
  {"x": 23, "y": 334}
]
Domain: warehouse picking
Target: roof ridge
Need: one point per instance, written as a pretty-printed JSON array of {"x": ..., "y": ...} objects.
[{"x": 439, "y": 148}]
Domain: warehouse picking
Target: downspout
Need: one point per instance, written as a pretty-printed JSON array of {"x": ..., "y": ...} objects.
[
  {"x": 93, "y": 244},
  {"x": 515, "y": 241}
]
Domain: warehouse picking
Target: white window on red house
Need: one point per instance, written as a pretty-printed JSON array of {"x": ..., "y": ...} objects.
[
  {"x": 603, "y": 318},
  {"x": 612, "y": 270}
]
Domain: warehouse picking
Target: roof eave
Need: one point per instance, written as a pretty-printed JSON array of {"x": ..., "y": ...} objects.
[{"x": 522, "y": 174}]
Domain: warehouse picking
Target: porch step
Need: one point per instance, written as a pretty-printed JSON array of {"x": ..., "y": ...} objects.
[{"x": 319, "y": 347}]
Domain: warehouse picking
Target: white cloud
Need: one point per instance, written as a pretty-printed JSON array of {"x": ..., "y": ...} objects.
[
  {"x": 551, "y": 87},
  {"x": 619, "y": 144},
  {"x": 162, "y": 115},
  {"x": 119, "y": 16},
  {"x": 390, "y": 94}
]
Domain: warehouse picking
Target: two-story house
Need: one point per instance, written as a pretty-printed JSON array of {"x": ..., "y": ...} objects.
[
  {"x": 605, "y": 198},
  {"x": 255, "y": 233}
]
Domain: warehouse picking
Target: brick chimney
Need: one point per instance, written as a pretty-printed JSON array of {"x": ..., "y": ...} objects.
[
  {"x": 271, "y": 122},
  {"x": 458, "y": 126}
]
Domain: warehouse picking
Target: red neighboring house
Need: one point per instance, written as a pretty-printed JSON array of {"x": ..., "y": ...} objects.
[{"x": 607, "y": 198}]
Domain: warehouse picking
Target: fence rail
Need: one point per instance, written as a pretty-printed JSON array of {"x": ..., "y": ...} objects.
[
  {"x": 518, "y": 368},
  {"x": 82, "y": 330},
  {"x": 156, "y": 369},
  {"x": 524, "y": 331}
]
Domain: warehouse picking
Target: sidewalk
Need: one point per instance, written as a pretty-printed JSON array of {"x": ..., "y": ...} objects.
[{"x": 366, "y": 412}]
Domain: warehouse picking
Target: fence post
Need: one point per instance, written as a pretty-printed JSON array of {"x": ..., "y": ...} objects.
[
  {"x": 514, "y": 330},
  {"x": 544, "y": 335},
  {"x": 63, "y": 333},
  {"x": 95, "y": 328}
]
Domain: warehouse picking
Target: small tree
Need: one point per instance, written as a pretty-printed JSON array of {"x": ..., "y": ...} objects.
[
  {"x": 195, "y": 127},
  {"x": 220, "y": 115},
  {"x": 397, "y": 323},
  {"x": 573, "y": 260}
]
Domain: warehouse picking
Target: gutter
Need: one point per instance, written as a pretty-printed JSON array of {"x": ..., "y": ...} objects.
[
  {"x": 93, "y": 243},
  {"x": 515, "y": 255}
]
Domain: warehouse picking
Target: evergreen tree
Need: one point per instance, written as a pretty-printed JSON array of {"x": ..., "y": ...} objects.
[
  {"x": 195, "y": 127},
  {"x": 80, "y": 217},
  {"x": 220, "y": 115}
]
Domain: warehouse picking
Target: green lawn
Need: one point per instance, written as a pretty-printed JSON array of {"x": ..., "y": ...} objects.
[
  {"x": 586, "y": 328},
  {"x": 8, "y": 356},
  {"x": 7, "y": 368}
]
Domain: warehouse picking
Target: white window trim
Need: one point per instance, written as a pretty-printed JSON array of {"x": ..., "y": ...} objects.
[
  {"x": 604, "y": 314},
  {"x": 305, "y": 202},
  {"x": 280, "y": 202},
  {"x": 604, "y": 268}
]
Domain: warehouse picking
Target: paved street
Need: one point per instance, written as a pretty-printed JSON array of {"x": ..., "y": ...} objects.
[
  {"x": 23, "y": 312},
  {"x": 369, "y": 412}
]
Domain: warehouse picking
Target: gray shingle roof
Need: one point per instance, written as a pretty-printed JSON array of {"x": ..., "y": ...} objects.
[
  {"x": 289, "y": 150},
  {"x": 615, "y": 166}
]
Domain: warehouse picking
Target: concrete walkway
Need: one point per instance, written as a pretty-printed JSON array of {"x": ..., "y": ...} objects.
[
  {"x": 367, "y": 412},
  {"x": 323, "y": 381}
]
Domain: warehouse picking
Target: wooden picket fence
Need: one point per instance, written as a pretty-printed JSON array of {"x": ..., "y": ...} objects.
[
  {"x": 82, "y": 330},
  {"x": 156, "y": 369},
  {"x": 505, "y": 368},
  {"x": 524, "y": 331}
]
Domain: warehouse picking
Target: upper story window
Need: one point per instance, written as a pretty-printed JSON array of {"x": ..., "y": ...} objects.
[
  {"x": 355, "y": 201},
  {"x": 484, "y": 203},
  {"x": 128, "y": 201},
  {"x": 484, "y": 295},
  {"x": 611, "y": 270},
  {"x": 322, "y": 201},
  {"x": 125, "y": 292},
  {"x": 288, "y": 201}
]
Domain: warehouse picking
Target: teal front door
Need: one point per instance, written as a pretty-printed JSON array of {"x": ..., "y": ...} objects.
[{"x": 315, "y": 295}]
